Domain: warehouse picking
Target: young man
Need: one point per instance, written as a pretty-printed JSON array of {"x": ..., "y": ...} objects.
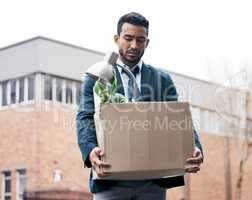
[{"x": 154, "y": 85}]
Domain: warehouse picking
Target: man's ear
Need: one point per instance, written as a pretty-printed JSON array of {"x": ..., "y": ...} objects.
[
  {"x": 116, "y": 38},
  {"x": 147, "y": 43}
]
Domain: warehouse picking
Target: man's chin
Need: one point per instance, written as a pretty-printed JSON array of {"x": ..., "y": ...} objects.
[{"x": 132, "y": 61}]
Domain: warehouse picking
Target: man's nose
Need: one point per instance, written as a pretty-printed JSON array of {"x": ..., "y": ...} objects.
[{"x": 134, "y": 44}]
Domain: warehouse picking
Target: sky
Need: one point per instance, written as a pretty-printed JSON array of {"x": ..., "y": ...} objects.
[{"x": 198, "y": 38}]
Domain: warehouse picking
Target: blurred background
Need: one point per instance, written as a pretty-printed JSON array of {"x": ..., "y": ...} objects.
[{"x": 45, "y": 48}]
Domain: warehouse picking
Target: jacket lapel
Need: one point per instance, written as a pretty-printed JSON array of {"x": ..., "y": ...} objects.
[
  {"x": 120, "y": 88},
  {"x": 145, "y": 83}
]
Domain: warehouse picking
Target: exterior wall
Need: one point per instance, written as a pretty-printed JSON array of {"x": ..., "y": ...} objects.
[
  {"x": 56, "y": 58},
  {"x": 57, "y": 195},
  {"x": 19, "y": 60},
  {"x": 18, "y": 143},
  {"x": 209, "y": 183},
  {"x": 46, "y": 55},
  {"x": 59, "y": 149},
  {"x": 41, "y": 139}
]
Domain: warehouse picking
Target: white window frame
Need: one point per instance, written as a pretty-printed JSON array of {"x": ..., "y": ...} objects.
[
  {"x": 17, "y": 91},
  {"x": 3, "y": 185},
  {"x": 18, "y": 176},
  {"x": 54, "y": 93},
  {"x": 33, "y": 76},
  {"x": 74, "y": 93},
  {"x": 69, "y": 85},
  {"x": 1, "y": 94},
  {"x": 8, "y": 92},
  {"x": 65, "y": 83},
  {"x": 18, "y": 97},
  {"x": 64, "y": 91}
]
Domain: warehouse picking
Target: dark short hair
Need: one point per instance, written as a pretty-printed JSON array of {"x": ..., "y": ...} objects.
[{"x": 132, "y": 18}]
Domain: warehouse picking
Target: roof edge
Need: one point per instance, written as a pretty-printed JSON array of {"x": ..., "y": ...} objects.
[{"x": 51, "y": 40}]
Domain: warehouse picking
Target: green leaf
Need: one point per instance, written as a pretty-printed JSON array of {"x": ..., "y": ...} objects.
[
  {"x": 118, "y": 98},
  {"x": 99, "y": 88},
  {"x": 108, "y": 94},
  {"x": 114, "y": 85}
]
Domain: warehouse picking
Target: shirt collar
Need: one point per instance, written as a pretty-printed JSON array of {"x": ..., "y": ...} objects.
[{"x": 119, "y": 62}]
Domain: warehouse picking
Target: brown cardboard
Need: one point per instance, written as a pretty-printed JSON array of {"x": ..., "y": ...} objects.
[{"x": 145, "y": 140}]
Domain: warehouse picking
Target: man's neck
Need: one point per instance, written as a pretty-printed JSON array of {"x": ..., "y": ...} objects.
[
  {"x": 139, "y": 64},
  {"x": 130, "y": 65}
]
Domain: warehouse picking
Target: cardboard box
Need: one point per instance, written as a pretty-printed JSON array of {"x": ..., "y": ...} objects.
[{"x": 145, "y": 140}]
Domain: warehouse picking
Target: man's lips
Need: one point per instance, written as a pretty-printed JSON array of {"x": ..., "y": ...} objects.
[{"x": 132, "y": 53}]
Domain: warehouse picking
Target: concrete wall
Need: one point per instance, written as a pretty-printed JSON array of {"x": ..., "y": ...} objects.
[
  {"x": 46, "y": 55},
  {"x": 19, "y": 60}
]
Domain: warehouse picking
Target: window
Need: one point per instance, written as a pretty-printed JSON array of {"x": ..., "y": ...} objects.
[
  {"x": 21, "y": 183},
  {"x": 57, "y": 175},
  {"x": 7, "y": 185},
  {"x": 78, "y": 93},
  {"x": 69, "y": 94},
  {"x": 31, "y": 87},
  {"x": 13, "y": 91},
  {"x": 48, "y": 88},
  {"x": 59, "y": 89},
  {"x": 4, "y": 93},
  {"x": 21, "y": 90}
]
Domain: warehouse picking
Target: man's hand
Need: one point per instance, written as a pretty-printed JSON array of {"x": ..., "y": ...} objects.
[
  {"x": 95, "y": 158},
  {"x": 193, "y": 163}
]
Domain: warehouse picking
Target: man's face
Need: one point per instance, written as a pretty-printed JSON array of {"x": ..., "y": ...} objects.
[{"x": 131, "y": 42}]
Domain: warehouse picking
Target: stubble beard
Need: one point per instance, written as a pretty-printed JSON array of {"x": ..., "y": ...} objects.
[{"x": 130, "y": 63}]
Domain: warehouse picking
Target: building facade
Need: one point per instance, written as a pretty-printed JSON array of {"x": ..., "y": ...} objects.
[
  {"x": 40, "y": 86},
  {"x": 39, "y": 95}
]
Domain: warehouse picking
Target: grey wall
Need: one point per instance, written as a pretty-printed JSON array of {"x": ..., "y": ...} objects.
[
  {"x": 41, "y": 54},
  {"x": 65, "y": 61},
  {"x": 54, "y": 57},
  {"x": 19, "y": 60}
]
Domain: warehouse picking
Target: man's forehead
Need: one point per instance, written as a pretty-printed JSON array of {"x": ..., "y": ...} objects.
[{"x": 134, "y": 30}]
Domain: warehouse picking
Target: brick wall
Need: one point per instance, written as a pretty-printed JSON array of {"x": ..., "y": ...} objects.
[
  {"x": 57, "y": 195},
  {"x": 42, "y": 139},
  {"x": 209, "y": 183}
]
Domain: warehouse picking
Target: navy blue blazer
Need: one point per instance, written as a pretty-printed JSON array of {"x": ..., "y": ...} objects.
[{"x": 156, "y": 85}]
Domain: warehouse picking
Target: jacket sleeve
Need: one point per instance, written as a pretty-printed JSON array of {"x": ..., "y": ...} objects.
[
  {"x": 170, "y": 94},
  {"x": 86, "y": 133}
]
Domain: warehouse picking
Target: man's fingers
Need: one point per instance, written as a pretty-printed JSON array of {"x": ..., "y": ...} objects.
[
  {"x": 99, "y": 171},
  {"x": 193, "y": 163},
  {"x": 103, "y": 174},
  {"x": 96, "y": 162},
  {"x": 192, "y": 169},
  {"x": 196, "y": 160},
  {"x": 99, "y": 152},
  {"x": 99, "y": 163},
  {"x": 196, "y": 153},
  {"x": 105, "y": 164}
]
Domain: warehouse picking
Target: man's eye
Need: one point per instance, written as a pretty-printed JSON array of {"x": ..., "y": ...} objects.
[
  {"x": 141, "y": 40},
  {"x": 128, "y": 39}
]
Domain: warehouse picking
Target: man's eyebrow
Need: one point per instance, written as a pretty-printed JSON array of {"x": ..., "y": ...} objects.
[
  {"x": 141, "y": 37},
  {"x": 128, "y": 35}
]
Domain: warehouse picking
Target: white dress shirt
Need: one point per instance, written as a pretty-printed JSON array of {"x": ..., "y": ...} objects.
[{"x": 125, "y": 80}]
